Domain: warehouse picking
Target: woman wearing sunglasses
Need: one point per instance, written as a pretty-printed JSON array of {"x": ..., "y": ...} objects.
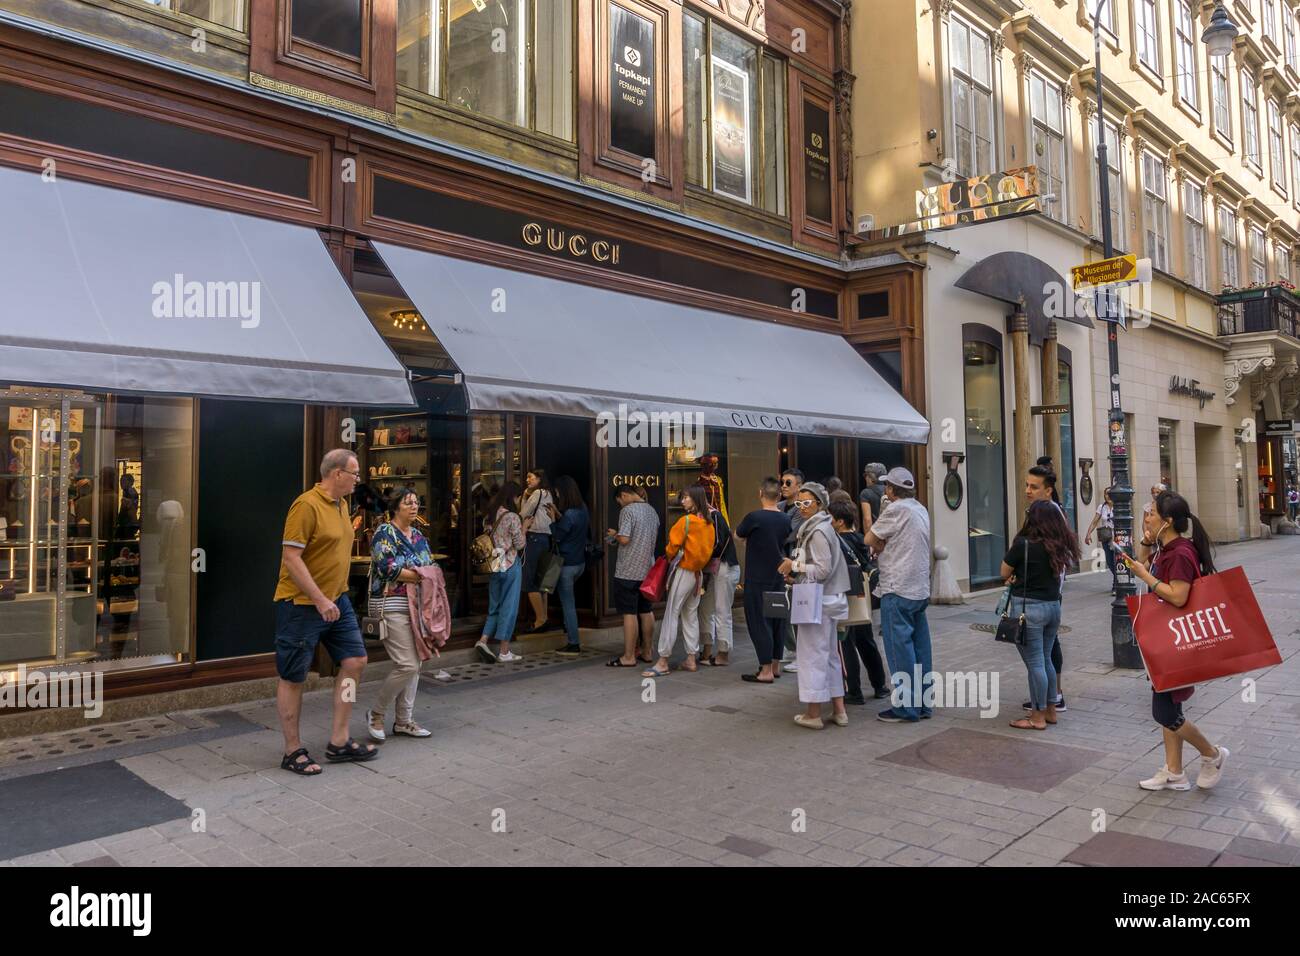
[{"x": 818, "y": 559}]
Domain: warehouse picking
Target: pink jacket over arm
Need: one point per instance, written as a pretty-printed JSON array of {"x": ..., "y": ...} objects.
[{"x": 430, "y": 611}]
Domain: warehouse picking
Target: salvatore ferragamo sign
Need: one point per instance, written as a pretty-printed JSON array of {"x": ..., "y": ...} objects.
[{"x": 569, "y": 243}]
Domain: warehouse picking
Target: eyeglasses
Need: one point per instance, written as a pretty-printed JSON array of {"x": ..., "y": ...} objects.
[
  {"x": 786, "y": 482},
  {"x": 805, "y": 504},
  {"x": 355, "y": 475}
]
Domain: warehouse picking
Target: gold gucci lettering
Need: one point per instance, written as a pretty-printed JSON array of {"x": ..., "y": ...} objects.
[{"x": 575, "y": 244}]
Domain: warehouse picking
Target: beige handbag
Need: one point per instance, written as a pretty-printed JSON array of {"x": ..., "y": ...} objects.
[{"x": 859, "y": 611}]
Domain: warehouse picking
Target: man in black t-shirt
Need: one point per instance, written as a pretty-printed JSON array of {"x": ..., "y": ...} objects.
[
  {"x": 869, "y": 499},
  {"x": 764, "y": 532}
]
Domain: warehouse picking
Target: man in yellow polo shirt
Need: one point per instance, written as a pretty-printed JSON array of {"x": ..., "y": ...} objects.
[{"x": 312, "y": 607}]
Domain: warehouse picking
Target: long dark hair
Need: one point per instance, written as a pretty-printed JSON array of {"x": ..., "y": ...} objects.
[
  {"x": 507, "y": 497},
  {"x": 566, "y": 494},
  {"x": 542, "y": 483},
  {"x": 1045, "y": 524},
  {"x": 1173, "y": 508},
  {"x": 699, "y": 498}
]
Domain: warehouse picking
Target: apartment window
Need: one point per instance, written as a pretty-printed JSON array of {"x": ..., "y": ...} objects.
[
  {"x": 1148, "y": 34},
  {"x": 972, "y": 98},
  {"x": 1249, "y": 119},
  {"x": 1282, "y": 262},
  {"x": 1047, "y": 109},
  {"x": 1194, "y": 210},
  {"x": 1155, "y": 210},
  {"x": 1107, "y": 15},
  {"x": 1258, "y": 265},
  {"x": 1115, "y": 175},
  {"x": 1268, "y": 16},
  {"x": 1185, "y": 54},
  {"x": 1276, "y": 151},
  {"x": 1219, "y": 101},
  {"x": 226, "y": 13},
  {"x": 1295, "y": 164},
  {"x": 735, "y": 116},
  {"x": 1288, "y": 36},
  {"x": 511, "y": 60},
  {"x": 1228, "y": 261}
]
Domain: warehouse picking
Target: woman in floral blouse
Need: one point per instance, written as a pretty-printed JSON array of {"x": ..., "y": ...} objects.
[
  {"x": 397, "y": 549},
  {"x": 504, "y": 582}
]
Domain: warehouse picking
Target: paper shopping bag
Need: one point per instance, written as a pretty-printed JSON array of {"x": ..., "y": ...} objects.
[
  {"x": 1219, "y": 632},
  {"x": 806, "y": 604}
]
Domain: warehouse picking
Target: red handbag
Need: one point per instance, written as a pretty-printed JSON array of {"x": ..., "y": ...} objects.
[
  {"x": 1219, "y": 632},
  {"x": 656, "y": 582}
]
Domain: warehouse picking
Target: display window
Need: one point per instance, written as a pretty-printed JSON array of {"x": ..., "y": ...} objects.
[
  {"x": 986, "y": 501},
  {"x": 95, "y": 528}
]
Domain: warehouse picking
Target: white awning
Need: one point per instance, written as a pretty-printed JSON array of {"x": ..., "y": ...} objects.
[
  {"x": 103, "y": 288},
  {"x": 528, "y": 343}
]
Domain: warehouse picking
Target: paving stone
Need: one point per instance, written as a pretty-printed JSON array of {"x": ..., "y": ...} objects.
[
  {"x": 1280, "y": 853},
  {"x": 996, "y": 759},
  {"x": 1126, "y": 849}
]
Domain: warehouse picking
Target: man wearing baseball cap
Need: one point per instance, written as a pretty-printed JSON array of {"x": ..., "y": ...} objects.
[{"x": 901, "y": 539}]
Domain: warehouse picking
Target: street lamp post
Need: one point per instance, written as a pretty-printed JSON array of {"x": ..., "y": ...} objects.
[{"x": 1218, "y": 38}]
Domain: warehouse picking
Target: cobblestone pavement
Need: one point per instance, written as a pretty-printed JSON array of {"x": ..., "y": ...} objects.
[{"x": 578, "y": 768}]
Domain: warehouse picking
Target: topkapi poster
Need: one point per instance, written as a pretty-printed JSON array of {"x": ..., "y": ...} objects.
[
  {"x": 631, "y": 82},
  {"x": 817, "y": 161}
]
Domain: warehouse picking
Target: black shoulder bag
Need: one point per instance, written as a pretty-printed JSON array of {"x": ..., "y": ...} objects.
[{"x": 1011, "y": 630}]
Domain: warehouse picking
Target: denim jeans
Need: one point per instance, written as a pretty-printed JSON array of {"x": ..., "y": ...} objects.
[
  {"x": 503, "y": 602},
  {"x": 1042, "y": 619},
  {"x": 906, "y": 634},
  {"x": 568, "y": 574}
]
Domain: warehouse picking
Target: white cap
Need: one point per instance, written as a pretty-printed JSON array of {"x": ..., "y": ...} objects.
[{"x": 901, "y": 478}]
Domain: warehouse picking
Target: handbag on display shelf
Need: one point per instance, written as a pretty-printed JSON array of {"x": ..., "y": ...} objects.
[
  {"x": 381, "y": 436},
  {"x": 1219, "y": 632},
  {"x": 1011, "y": 630}
]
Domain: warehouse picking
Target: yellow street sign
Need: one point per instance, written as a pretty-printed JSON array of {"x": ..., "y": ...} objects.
[{"x": 1114, "y": 271}]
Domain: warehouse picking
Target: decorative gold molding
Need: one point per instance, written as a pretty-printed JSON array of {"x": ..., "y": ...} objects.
[
  {"x": 629, "y": 193},
  {"x": 321, "y": 99}
]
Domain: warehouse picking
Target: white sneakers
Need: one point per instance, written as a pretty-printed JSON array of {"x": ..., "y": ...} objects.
[
  {"x": 509, "y": 657},
  {"x": 1211, "y": 772},
  {"x": 792, "y": 667},
  {"x": 1164, "y": 780},
  {"x": 375, "y": 728}
]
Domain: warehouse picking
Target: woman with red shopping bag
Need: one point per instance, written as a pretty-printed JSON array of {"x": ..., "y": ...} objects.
[{"x": 1177, "y": 562}]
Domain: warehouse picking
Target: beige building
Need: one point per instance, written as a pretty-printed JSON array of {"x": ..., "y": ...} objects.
[{"x": 1204, "y": 170}]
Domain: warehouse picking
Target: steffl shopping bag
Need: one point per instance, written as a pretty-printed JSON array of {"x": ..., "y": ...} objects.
[{"x": 1219, "y": 632}]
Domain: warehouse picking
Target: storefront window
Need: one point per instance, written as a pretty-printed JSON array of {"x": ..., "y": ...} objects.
[
  {"x": 95, "y": 517},
  {"x": 1168, "y": 453},
  {"x": 735, "y": 116},
  {"x": 226, "y": 13},
  {"x": 986, "y": 495},
  {"x": 511, "y": 60},
  {"x": 1065, "y": 467}
]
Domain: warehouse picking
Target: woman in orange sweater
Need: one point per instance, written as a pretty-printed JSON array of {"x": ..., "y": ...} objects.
[{"x": 690, "y": 546}]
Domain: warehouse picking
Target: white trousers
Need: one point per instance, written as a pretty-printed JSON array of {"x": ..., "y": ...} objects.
[
  {"x": 681, "y": 614},
  {"x": 403, "y": 680},
  {"x": 715, "y": 607},
  {"x": 821, "y": 673}
]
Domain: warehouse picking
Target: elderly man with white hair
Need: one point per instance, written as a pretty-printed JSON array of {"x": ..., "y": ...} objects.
[{"x": 312, "y": 607}]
